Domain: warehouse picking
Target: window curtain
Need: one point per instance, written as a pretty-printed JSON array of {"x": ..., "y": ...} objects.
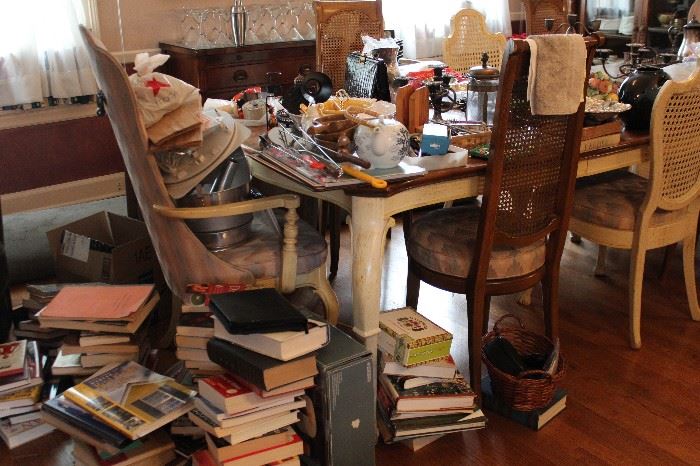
[
  {"x": 41, "y": 53},
  {"x": 422, "y": 25}
]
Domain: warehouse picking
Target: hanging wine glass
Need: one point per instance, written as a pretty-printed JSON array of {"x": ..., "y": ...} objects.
[
  {"x": 307, "y": 22},
  {"x": 266, "y": 24},
  {"x": 200, "y": 15},
  {"x": 222, "y": 27},
  {"x": 188, "y": 28},
  {"x": 251, "y": 36}
]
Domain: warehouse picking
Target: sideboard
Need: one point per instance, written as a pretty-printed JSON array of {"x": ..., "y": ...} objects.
[{"x": 222, "y": 71}]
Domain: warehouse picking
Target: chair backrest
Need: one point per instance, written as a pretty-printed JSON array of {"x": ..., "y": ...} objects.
[
  {"x": 675, "y": 145},
  {"x": 183, "y": 258},
  {"x": 469, "y": 39},
  {"x": 536, "y": 11},
  {"x": 532, "y": 164},
  {"x": 339, "y": 29}
]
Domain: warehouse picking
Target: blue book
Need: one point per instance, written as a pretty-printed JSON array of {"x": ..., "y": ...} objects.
[
  {"x": 532, "y": 419},
  {"x": 76, "y": 416}
]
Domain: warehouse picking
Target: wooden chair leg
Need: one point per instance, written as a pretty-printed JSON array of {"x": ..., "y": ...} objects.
[
  {"x": 323, "y": 289},
  {"x": 550, "y": 303},
  {"x": 487, "y": 313},
  {"x": 666, "y": 264},
  {"x": 599, "y": 270},
  {"x": 689, "y": 275},
  {"x": 475, "y": 311},
  {"x": 412, "y": 287},
  {"x": 636, "y": 280},
  {"x": 335, "y": 216}
]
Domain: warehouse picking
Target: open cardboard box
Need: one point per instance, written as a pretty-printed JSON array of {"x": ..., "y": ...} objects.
[{"x": 104, "y": 247}]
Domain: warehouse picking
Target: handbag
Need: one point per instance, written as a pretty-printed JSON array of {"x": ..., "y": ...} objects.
[{"x": 366, "y": 76}]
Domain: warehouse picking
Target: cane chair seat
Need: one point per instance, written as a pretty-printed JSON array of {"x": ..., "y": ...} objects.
[
  {"x": 469, "y": 39},
  {"x": 432, "y": 244}
]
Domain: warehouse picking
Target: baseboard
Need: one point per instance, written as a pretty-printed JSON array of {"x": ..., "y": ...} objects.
[{"x": 73, "y": 192}]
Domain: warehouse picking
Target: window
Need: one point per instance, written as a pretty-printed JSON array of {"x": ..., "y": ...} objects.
[{"x": 42, "y": 61}]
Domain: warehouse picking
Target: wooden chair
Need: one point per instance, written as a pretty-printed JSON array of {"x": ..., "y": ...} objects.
[
  {"x": 630, "y": 212},
  {"x": 469, "y": 39},
  {"x": 266, "y": 260},
  {"x": 536, "y": 11},
  {"x": 516, "y": 238},
  {"x": 340, "y": 26}
]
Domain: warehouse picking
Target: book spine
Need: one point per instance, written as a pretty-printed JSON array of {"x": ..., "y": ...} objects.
[
  {"x": 423, "y": 354},
  {"x": 600, "y": 142},
  {"x": 220, "y": 353}
]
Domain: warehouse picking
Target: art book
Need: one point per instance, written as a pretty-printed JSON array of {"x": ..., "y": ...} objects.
[
  {"x": 449, "y": 394},
  {"x": 132, "y": 399},
  {"x": 12, "y": 357},
  {"x": 411, "y": 338}
]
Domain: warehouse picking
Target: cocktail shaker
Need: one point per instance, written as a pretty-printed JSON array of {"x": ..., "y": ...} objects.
[{"x": 239, "y": 22}]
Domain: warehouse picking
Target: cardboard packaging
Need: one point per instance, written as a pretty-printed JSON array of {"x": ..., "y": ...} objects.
[
  {"x": 436, "y": 139},
  {"x": 341, "y": 429},
  {"x": 104, "y": 247}
]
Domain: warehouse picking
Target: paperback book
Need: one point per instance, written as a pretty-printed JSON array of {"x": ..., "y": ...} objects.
[{"x": 448, "y": 394}]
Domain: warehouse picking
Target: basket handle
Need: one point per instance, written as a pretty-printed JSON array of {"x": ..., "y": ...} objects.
[
  {"x": 525, "y": 374},
  {"x": 497, "y": 324}
]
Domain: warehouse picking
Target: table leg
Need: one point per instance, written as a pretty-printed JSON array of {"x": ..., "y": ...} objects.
[{"x": 369, "y": 224}]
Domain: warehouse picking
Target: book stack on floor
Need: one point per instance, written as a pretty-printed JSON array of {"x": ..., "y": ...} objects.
[
  {"x": 108, "y": 318},
  {"x": 421, "y": 393},
  {"x": 266, "y": 347},
  {"x": 191, "y": 336},
  {"x": 118, "y": 416},
  {"x": 20, "y": 393}
]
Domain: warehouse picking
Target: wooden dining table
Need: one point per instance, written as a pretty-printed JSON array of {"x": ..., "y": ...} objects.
[{"x": 371, "y": 213}]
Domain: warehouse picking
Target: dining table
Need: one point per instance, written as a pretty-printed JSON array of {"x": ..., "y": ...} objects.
[{"x": 371, "y": 212}]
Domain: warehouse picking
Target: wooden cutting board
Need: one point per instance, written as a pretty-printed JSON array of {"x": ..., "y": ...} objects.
[
  {"x": 418, "y": 109},
  {"x": 402, "y": 103}
]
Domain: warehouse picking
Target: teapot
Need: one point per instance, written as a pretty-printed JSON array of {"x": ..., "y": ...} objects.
[
  {"x": 381, "y": 140},
  {"x": 691, "y": 35}
]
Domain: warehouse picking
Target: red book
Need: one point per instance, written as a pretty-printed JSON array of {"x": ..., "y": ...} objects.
[{"x": 12, "y": 357}]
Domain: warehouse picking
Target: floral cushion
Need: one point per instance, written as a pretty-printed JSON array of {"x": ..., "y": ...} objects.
[
  {"x": 613, "y": 200},
  {"x": 261, "y": 253},
  {"x": 444, "y": 240}
]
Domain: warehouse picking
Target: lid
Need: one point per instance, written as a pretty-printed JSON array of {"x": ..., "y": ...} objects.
[
  {"x": 484, "y": 71},
  {"x": 692, "y": 24}
]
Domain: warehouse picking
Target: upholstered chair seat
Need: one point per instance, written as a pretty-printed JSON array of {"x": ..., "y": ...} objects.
[{"x": 443, "y": 241}]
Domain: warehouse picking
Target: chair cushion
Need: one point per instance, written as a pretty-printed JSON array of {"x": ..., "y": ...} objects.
[
  {"x": 444, "y": 240},
  {"x": 613, "y": 200},
  {"x": 261, "y": 253}
]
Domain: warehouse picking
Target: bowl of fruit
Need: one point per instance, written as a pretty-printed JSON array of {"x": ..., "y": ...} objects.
[{"x": 602, "y": 102}]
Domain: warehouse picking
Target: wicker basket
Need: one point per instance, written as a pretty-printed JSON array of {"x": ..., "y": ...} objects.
[
  {"x": 467, "y": 141},
  {"x": 523, "y": 392}
]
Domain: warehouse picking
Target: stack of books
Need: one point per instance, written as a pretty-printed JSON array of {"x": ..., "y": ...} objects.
[
  {"x": 20, "y": 393},
  {"x": 421, "y": 393},
  {"x": 105, "y": 320},
  {"x": 115, "y": 415},
  {"x": 601, "y": 136},
  {"x": 267, "y": 348},
  {"x": 191, "y": 336}
]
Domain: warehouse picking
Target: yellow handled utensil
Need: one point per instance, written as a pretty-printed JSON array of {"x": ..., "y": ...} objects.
[{"x": 360, "y": 175}]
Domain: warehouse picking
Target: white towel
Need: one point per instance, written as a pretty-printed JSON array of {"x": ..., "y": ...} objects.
[{"x": 557, "y": 73}]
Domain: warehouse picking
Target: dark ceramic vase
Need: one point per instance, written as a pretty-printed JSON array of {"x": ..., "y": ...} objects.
[{"x": 639, "y": 90}]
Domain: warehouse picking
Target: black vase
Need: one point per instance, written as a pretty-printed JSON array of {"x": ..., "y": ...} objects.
[{"x": 639, "y": 90}]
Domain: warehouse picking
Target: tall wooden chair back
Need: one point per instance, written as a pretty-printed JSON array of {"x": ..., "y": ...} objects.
[
  {"x": 340, "y": 26},
  {"x": 469, "y": 39},
  {"x": 536, "y": 11}
]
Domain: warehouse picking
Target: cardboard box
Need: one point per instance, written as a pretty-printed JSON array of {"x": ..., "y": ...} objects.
[{"x": 104, "y": 247}]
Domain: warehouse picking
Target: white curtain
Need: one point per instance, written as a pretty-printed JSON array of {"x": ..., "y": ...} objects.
[
  {"x": 41, "y": 53},
  {"x": 423, "y": 24}
]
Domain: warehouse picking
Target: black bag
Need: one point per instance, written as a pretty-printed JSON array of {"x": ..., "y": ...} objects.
[{"x": 366, "y": 77}]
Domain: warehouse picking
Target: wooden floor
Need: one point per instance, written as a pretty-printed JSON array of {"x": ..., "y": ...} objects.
[{"x": 624, "y": 406}]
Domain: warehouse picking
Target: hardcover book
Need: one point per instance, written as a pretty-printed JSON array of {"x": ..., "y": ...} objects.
[
  {"x": 412, "y": 338},
  {"x": 449, "y": 394},
  {"x": 221, "y": 450},
  {"x": 132, "y": 399},
  {"x": 231, "y": 396},
  {"x": 12, "y": 357},
  {"x": 30, "y": 376},
  {"x": 256, "y": 311},
  {"x": 262, "y": 371},
  {"x": 227, "y": 421},
  {"x": 533, "y": 419},
  {"x": 154, "y": 450},
  {"x": 196, "y": 325},
  {"x": 442, "y": 368},
  {"x": 69, "y": 364},
  {"x": 284, "y": 346},
  {"x": 15, "y": 435}
]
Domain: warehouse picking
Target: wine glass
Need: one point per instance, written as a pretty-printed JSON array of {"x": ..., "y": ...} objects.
[
  {"x": 201, "y": 15},
  {"x": 307, "y": 22},
  {"x": 265, "y": 24},
  {"x": 251, "y": 36},
  {"x": 221, "y": 28},
  {"x": 188, "y": 28}
]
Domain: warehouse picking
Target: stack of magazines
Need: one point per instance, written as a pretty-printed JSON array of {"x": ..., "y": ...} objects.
[{"x": 115, "y": 415}]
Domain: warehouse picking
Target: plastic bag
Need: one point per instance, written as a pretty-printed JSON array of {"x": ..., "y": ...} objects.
[
  {"x": 158, "y": 94},
  {"x": 373, "y": 44}
]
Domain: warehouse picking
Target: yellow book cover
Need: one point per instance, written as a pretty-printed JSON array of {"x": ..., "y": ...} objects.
[
  {"x": 132, "y": 399},
  {"x": 28, "y": 393}
]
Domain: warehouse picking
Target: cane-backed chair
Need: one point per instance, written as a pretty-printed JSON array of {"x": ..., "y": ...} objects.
[
  {"x": 516, "y": 237},
  {"x": 536, "y": 11},
  {"x": 469, "y": 39},
  {"x": 630, "y": 212},
  {"x": 340, "y": 26},
  {"x": 265, "y": 260}
]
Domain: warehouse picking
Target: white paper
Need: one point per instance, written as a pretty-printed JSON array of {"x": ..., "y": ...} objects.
[{"x": 75, "y": 246}]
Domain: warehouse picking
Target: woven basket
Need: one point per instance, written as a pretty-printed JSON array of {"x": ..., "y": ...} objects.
[
  {"x": 523, "y": 393},
  {"x": 467, "y": 141}
]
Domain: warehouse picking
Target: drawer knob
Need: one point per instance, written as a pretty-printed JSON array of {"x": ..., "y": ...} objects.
[{"x": 240, "y": 75}]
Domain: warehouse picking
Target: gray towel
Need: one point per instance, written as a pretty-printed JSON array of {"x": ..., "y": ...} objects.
[{"x": 557, "y": 73}]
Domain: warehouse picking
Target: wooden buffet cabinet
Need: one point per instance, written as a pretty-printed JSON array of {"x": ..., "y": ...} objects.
[{"x": 221, "y": 72}]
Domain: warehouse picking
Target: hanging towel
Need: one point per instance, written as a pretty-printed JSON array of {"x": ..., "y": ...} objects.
[{"x": 557, "y": 73}]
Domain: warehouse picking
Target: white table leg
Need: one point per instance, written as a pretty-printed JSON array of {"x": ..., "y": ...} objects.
[{"x": 369, "y": 224}]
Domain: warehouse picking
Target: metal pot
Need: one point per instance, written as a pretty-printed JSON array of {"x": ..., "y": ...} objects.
[
  {"x": 691, "y": 35},
  {"x": 640, "y": 90}
]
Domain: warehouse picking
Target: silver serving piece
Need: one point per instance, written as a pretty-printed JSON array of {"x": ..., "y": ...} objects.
[{"x": 239, "y": 22}]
